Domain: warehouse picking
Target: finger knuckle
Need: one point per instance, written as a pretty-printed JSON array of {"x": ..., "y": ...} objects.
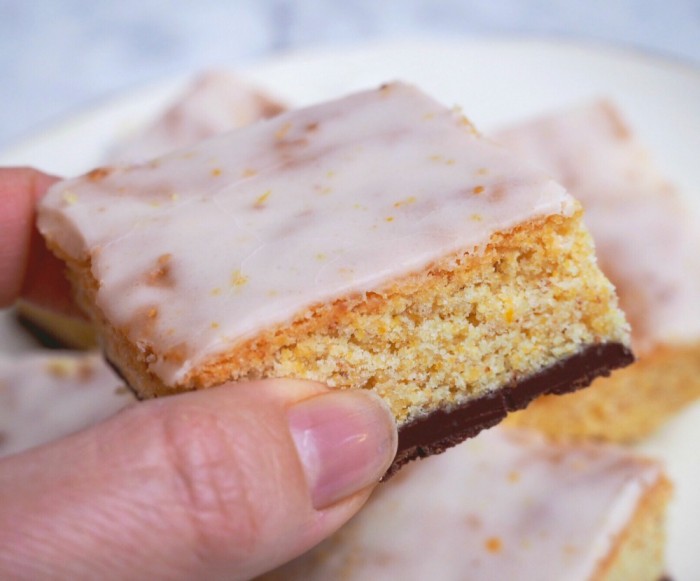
[{"x": 213, "y": 486}]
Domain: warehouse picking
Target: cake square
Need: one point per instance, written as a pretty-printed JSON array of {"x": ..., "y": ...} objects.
[
  {"x": 372, "y": 242},
  {"x": 506, "y": 505},
  {"x": 213, "y": 102},
  {"x": 647, "y": 243}
]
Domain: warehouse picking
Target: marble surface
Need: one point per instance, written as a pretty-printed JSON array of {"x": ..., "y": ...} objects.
[{"x": 57, "y": 56}]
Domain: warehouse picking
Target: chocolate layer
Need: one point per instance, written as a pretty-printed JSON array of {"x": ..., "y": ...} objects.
[{"x": 443, "y": 429}]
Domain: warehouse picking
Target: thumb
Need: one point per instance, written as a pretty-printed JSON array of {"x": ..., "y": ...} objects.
[{"x": 223, "y": 483}]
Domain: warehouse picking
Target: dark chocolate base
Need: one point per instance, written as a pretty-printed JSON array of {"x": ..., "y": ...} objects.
[
  {"x": 443, "y": 429},
  {"x": 39, "y": 334},
  {"x": 120, "y": 375}
]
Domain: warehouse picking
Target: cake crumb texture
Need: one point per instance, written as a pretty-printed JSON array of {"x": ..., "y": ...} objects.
[{"x": 464, "y": 327}]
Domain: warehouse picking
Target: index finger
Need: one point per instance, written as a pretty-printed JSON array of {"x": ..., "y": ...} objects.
[{"x": 27, "y": 267}]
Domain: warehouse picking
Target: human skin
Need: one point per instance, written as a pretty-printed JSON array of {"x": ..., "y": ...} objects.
[{"x": 224, "y": 483}]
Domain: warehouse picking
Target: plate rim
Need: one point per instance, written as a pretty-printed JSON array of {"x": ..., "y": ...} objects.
[{"x": 97, "y": 105}]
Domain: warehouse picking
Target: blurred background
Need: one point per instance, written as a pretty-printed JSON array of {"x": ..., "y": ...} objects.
[{"x": 57, "y": 56}]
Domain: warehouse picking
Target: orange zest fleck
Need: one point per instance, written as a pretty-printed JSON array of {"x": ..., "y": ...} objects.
[
  {"x": 260, "y": 201},
  {"x": 494, "y": 545},
  {"x": 238, "y": 279},
  {"x": 282, "y": 131}
]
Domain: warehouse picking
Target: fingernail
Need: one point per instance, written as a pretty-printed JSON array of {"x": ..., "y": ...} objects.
[{"x": 346, "y": 440}]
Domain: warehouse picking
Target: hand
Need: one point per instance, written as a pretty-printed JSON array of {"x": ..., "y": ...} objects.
[{"x": 224, "y": 483}]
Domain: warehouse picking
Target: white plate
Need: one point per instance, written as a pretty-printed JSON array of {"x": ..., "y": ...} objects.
[{"x": 495, "y": 81}]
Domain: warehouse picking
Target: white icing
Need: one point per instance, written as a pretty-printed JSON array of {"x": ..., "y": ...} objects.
[
  {"x": 647, "y": 241},
  {"x": 261, "y": 223},
  {"x": 47, "y": 396},
  {"x": 215, "y": 101},
  {"x": 505, "y": 505}
]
